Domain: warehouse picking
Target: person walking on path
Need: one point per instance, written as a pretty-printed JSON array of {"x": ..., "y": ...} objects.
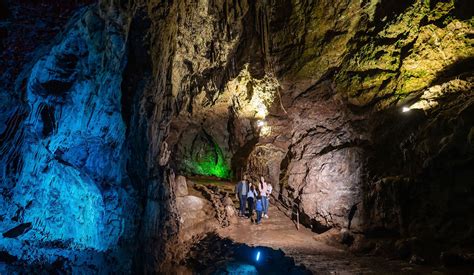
[
  {"x": 263, "y": 192},
  {"x": 241, "y": 190},
  {"x": 259, "y": 208},
  {"x": 251, "y": 195},
  {"x": 269, "y": 192}
]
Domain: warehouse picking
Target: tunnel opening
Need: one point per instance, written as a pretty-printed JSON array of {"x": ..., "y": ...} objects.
[{"x": 202, "y": 157}]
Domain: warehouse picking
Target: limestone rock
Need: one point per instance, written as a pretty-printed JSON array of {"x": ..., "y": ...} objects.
[
  {"x": 181, "y": 186},
  {"x": 231, "y": 214},
  {"x": 225, "y": 212},
  {"x": 193, "y": 211}
]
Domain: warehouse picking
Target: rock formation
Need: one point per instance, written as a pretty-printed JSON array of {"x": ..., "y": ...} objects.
[{"x": 361, "y": 112}]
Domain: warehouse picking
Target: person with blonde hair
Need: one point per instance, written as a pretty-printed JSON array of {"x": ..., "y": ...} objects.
[
  {"x": 263, "y": 189},
  {"x": 269, "y": 192}
]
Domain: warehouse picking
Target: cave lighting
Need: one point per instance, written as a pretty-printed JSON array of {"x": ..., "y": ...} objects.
[
  {"x": 261, "y": 110},
  {"x": 210, "y": 162},
  {"x": 405, "y": 109},
  {"x": 264, "y": 129},
  {"x": 258, "y": 256}
]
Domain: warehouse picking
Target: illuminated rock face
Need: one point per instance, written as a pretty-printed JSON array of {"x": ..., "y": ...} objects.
[
  {"x": 339, "y": 143},
  {"x": 69, "y": 152},
  {"x": 205, "y": 158},
  {"x": 317, "y": 158},
  {"x": 73, "y": 139}
]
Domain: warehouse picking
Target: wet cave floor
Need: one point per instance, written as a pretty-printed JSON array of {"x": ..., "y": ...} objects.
[{"x": 286, "y": 250}]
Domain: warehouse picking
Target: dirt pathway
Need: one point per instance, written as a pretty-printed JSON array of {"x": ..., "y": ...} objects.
[{"x": 279, "y": 232}]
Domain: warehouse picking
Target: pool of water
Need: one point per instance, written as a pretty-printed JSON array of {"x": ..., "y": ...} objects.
[{"x": 216, "y": 255}]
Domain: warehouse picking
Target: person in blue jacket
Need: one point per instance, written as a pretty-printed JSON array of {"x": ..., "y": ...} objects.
[{"x": 259, "y": 208}]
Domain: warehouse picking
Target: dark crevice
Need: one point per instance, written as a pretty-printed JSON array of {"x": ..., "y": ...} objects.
[
  {"x": 48, "y": 119},
  {"x": 352, "y": 143},
  {"x": 460, "y": 68},
  {"x": 18, "y": 230},
  {"x": 138, "y": 66},
  {"x": 56, "y": 87},
  {"x": 464, "y": 9},
  {"x": 240, "y": 158}
]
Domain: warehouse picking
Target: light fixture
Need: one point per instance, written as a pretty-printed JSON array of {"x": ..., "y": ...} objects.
[
  {"x": 258, "y": 256},
  {"x": 405, "y": 109},
  {"x": 260, "y": 123}
]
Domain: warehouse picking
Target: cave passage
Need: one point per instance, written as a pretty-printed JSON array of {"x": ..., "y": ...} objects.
[
  {"x": 126, "y": 125},
  {"x": 207, "y": 158}
]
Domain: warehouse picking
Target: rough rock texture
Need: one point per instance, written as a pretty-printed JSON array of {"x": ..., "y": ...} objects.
[
  {"x": 320, "y": 160},
  {"x": 225, "y": 212},
  {"x": 196, "y": 217},
  {"x": 95, "y": 122},
  {"x": 340, "y": 145},
  {"x": 63, "y": 156},
  {"x": 181, "y": 186}
]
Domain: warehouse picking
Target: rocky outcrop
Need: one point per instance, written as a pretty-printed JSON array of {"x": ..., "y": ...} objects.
[
  {"x": 430, "y": 159},
  {"x": 225, "y": 212},
  {"x": 196, "y": 217},
  {"x": 317, "y": 157}
]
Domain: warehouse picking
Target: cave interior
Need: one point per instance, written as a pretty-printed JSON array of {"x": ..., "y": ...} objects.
[{"x": 124, "y": 126}]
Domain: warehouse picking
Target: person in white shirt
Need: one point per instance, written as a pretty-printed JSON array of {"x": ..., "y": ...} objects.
[{"x": 251, "y": 199}]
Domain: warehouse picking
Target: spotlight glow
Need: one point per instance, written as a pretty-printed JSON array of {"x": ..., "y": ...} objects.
[
  {"x": 258, "y": 256},
  {"x": 260, "y": 123},
  {"x": 261, "y": 110},
  {"x": 405, "y": 109}
]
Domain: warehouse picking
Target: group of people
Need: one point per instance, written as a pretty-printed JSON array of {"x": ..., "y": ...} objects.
[{"x": 255, "y": 196}]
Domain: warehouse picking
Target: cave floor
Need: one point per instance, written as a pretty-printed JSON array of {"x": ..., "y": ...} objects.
[
  {"x": 279, "y": 232},
  {"x": 308, "y": 248}
]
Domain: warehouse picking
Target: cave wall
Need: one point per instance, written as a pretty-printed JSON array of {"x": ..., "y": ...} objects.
[
  {"x": 215, "y": 76},
  {"x": 86, "y": 136},
  {"x": 340, "y": 145},
  {"x": 65, "y": 191}
]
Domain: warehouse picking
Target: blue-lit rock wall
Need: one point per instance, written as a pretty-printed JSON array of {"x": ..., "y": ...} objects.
[{"x": 64, "y": 185}]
